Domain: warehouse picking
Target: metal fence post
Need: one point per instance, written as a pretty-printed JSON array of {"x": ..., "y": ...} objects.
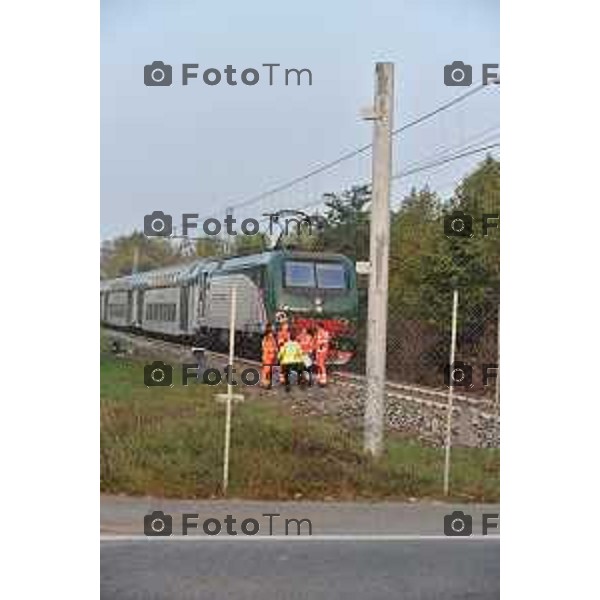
[
  {"x": 450, "y": 393},
  {"x": 229, "y": 399}
]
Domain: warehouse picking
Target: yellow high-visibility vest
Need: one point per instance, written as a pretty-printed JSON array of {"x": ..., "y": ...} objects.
[{"x": 291, "y": 353}]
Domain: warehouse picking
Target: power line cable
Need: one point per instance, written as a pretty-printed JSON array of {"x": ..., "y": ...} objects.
[
  {"x": 422, "y": 167},
  {"x": 357, "y": 151},
  {"x": 438, "y": 163},
  {"x": 444, "y": 161},
  {"x": 484, "y": 136}
]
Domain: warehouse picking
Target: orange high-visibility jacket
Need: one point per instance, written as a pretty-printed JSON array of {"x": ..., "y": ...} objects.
[
  {"x": 307, "y": 343},
  {"x": 322, "y": 340},
  {"x": 283, "y": 335},
  {"x": 269, "y": 348}
]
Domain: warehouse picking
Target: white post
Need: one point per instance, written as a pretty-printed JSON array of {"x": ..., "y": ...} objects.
[
  {"x": 450, "y": 392},
  {"x": 229, "y": 393}
]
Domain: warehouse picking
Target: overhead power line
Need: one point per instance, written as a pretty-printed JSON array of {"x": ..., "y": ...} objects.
[
  {"x": 484, "y": 136},
  {"x": 439, "y": 109},
  {"x": 355, "y": 152},
  {"x": 418, "y": 168},
  {"x": 443, "y": 161}
]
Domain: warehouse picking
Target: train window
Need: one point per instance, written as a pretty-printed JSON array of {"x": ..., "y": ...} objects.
[
  {"x": 326, "y": 275},
  {"x": 331, "y": 276},
  {"x": 299, "y": 274}
]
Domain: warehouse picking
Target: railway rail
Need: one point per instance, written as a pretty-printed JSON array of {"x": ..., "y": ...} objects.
[{"x": 433, "y": 397}]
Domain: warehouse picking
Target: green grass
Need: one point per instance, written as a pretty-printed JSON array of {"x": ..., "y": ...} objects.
[{"x": 169, "y": 442}]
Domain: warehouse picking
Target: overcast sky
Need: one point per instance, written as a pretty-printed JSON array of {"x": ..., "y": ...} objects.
[{"x": 200, "y": 148}]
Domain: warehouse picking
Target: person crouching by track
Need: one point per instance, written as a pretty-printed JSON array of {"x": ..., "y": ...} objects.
[
  {"x": 307, "y": 343},
  {"x": 322, "y": 340},
  {"x": 291, "y": 358},
  {"x": 269, "y": 356}
]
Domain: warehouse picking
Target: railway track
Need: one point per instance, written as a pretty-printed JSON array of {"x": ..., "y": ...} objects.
[
  {"x": 421, "y": 394},
  {"x": 427, "y": 396}
]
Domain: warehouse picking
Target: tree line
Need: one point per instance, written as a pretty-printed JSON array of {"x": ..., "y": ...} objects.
[{"x": 427, "y": 262}]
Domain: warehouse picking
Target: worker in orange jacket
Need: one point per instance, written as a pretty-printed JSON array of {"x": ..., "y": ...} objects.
[
  {"x": 283, "y": 337},
  {"x": 322, "y": 341},
  {"x": 307, "y": 343},
  {"x": 269, "y": 356},
  {"x": 283, "y": 333}
]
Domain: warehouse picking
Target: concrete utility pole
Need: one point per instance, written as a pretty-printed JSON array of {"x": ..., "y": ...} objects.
[{"x": 382, "y": 117}]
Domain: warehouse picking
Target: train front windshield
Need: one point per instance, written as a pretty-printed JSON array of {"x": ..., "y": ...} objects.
[{"x": 322, "y": 275}]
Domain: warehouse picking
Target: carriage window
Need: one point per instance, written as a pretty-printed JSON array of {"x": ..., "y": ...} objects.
[
  {"x": 299, "y": 274},
  {"x": 331, "y": 276}
]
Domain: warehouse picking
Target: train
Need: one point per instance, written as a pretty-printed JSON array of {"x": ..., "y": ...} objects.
[{"x": 191, "y": 303}]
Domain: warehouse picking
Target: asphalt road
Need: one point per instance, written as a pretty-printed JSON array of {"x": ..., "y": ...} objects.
[
  {"x": 426, "y": 569},
  {"x": 394, "y": 550}
]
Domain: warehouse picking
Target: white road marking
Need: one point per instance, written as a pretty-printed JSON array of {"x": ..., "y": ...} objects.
[{"x": 295, "y": 538}]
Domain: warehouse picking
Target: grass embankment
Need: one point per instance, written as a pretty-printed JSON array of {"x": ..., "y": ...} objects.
[{"x": 169, "y": 442}]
